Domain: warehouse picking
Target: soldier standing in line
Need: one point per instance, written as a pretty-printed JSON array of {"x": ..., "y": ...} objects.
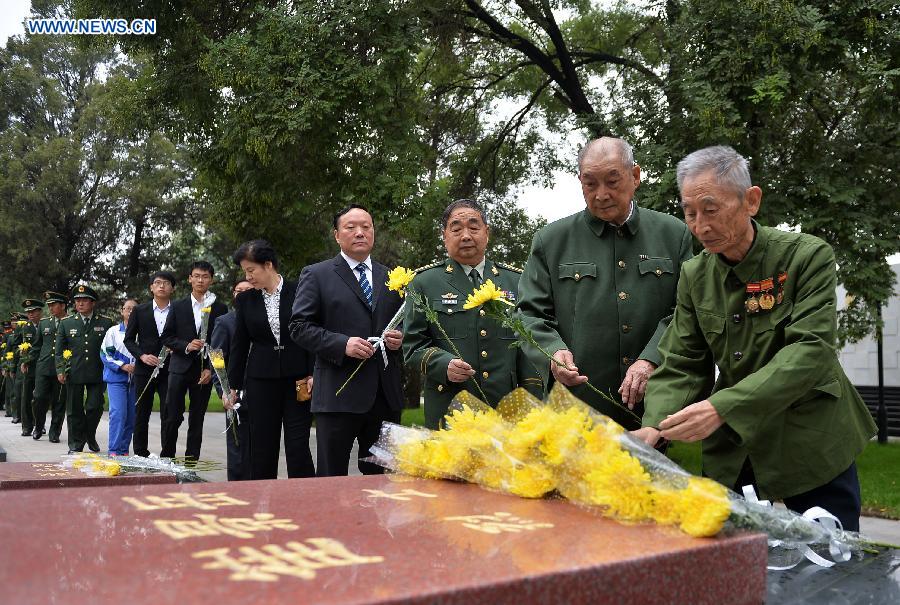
[
  {"x": 49, "y": 393},
  {"x": 82, "y": 333},
  {"x": 25, "y": 337}
]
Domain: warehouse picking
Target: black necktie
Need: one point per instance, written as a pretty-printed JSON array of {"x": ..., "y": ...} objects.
[{"x": 476, "y": 279}]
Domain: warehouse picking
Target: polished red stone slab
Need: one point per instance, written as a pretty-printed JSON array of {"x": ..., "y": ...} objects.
[
  {"x": 352, "y": 540},
  {"x": 35, "y": 475}
]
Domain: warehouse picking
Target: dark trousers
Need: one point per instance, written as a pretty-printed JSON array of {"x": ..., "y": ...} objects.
[
  {"x": 144, "y": 407},
  {"x": 237, "y": 452},
  {"x": 12, "y": 397},
  {"x": 26, "y": 398},
  {"x": 84, "y": 409},
  {"x": 840, "y": 496},
  {"x": 179, "y": 386},
  {"x": 49, "y": 395},
  {"x": 335, "y": 432},
  {"x": 273, "y": 403}
]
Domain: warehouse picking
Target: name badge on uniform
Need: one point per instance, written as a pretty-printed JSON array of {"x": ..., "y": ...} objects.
[
  {"x": 98, "y": 329},
  {"x": 449, "y": 298}
]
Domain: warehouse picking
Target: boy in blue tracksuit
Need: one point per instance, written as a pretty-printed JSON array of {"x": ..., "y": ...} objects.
[{"x": 118, "y": 366}]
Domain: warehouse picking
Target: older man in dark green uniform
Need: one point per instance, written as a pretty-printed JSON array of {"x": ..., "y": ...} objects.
[
  {"x": 82, "y": 333},
  {"x": 760, "y": 304},
  {"x": 48, "y": 392},
  {"x": 4, "y": 365},
  {"x": 486, "y": 356},
  {"x": 599, "y": 287},
  {"x": 10, "y": 359},
  {"x": 25, "y": 337}
]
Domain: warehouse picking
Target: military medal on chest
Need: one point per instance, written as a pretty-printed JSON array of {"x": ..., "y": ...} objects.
[
  {"x": 782, "y": 277},
  {"x": 766, "y": 299},
  {"x": 751, "y": 304}
]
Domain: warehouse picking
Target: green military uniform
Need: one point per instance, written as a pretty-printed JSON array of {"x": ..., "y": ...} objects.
[
  {"x": 605, "y": 293},
  {"x": 15, "y": 371},
  {"x": 12, "y": 401},
  {"x": 27, "y": 334},
  {"x": 83, "y": 337},
  {"x": 483, "y": 343},
  {"x": 786, "y": 402},
  {"x": 48, "y": 392},
  {"x": 4, "y": 364}
]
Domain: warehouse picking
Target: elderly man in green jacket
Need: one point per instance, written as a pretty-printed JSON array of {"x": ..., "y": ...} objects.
[
  {"x": 484, "y": 345},
  {"x": 760, "y": 304},
  {"x": 599, "y": 286}
]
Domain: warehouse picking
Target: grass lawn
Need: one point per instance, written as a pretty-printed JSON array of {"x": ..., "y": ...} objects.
[
  {"x": 215, "y": 404},
  {"x": 878, "y": 466}
]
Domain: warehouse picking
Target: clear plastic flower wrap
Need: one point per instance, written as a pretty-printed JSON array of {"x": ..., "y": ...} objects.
[
  {"x": 94, "y": 465},
  {"x": 563, "y": 447}
]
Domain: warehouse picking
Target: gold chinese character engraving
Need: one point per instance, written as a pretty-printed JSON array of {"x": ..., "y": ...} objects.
[
  {"x": 404, "y": 494},
  {"x": 211, "y": 525},
  {"x": 46, "y": 466},
  {"x": 498, "y": 523},
  {"x": 184, "y": 500},
  {"x": 59, "y": 473},
  {"x": 295, "y": 559}
]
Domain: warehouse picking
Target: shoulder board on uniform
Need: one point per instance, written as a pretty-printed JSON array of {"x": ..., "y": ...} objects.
[
  {"x": 429, "y": 266},
  {"x": 509, "y": 267}
]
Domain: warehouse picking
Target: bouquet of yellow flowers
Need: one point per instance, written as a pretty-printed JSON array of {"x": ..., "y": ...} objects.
[
  {"x": 26, "y": 353},
  {"x": 217, "y": 359},
  {"x": 563, "y": 447}
]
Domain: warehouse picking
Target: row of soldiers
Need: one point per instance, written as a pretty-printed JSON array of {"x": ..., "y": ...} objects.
[{"x": 50, "y": 363}]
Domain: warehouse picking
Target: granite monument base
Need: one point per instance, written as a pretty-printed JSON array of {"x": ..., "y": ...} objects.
[
  {"x": 35, "y": 475},
  {"x": 376, "y": 539}
]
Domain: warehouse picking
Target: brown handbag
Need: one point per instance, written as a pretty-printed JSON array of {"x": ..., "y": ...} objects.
[{"x": 303, "y": 393}]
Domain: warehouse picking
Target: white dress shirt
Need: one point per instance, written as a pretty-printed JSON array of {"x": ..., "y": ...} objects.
[
  {"x": 368, "y": 263},
  {"x": 160, "y": 315},
  {"x": 272, "y": 302}
]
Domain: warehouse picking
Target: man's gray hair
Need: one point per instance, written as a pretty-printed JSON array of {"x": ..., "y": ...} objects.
[
  {"x": 608, "y": 144},
  {"x": 728, "y": 165}
]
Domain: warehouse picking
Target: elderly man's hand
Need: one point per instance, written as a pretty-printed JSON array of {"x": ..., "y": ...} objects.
[
  {"x": 695, "y": 422},
  {"x": 459, "y": 371},
  {"x": 393, "y": 339},
  {"x": 648, "y": 435},
  {"x": 567, "y": 375},
  {"x": 635, "y": 383}
]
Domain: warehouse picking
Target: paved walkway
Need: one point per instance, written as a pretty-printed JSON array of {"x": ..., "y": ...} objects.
[{"x": 26, "y": 449}]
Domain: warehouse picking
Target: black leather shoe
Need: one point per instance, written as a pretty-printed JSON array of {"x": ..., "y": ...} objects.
[
  {"x": 26, "y": 433},
  {"x": 36, "y": 434},
  {"x": 74, "y": 452},
  {"x": 54, "y": 439},
  {"x": 93, "y": 445},
  {"x": 16, "y": 421}
]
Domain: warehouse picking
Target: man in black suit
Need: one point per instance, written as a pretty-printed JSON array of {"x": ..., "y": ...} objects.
[
  {"x": 339, "y": 304},
  {"x": 143, "y": 340},
  {"x": 189, "y": 369},
  {"x": 237, "y": 454}
]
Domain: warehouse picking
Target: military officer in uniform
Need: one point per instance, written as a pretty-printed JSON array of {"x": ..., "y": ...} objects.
[
  {"x": 82, "y": 333},
  {"x": 27, "y": 333},
  {"x": 599, "y": 286},
  {"x": 48, "y": 392},
  {"x": 759, "y": 303},
  {"x": 484, "y": 345},
  {"x": 7, "y": 330},
  {"x": 10, "y": 359}
]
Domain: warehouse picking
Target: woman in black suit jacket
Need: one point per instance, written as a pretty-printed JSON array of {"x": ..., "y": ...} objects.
[{"x": 267, "y": 364}]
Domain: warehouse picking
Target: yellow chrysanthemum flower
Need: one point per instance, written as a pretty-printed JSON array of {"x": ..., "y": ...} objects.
[
  {"x": 704, "y": 507},
  {"x": 24, "y": 346},
  {"x": 398, "y": 280},
  {"x": 67, "y": 354},
  {"x": 206, "y": 310},
  {"x": 486, "y": 293},
  {"x": 10, "y": 356},
  {"x": 217, "y": 359},
  {"x": 21, "y": 323}
]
